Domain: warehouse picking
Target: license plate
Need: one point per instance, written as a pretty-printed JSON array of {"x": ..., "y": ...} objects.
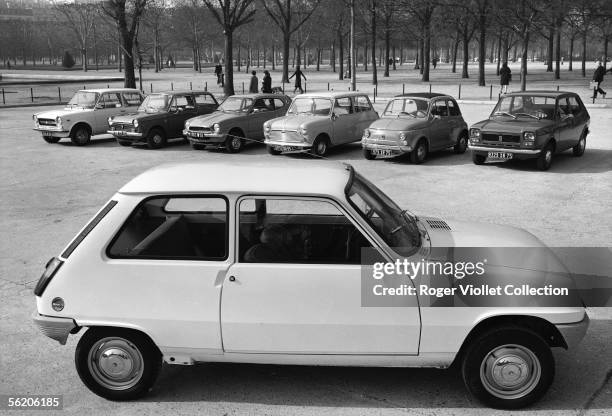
[
  {"x": 382, "y": 152},
  {"x": 287, "y": 148},
  {"x": 120, "y": 133},
  {"x": 47, "y": 134},
  {"x": 499, "y": 156}
]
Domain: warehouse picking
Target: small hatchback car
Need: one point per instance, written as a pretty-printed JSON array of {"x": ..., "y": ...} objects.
[
  {"x": 265, "y": 267},
  {"x": 531, "y": 125},
  {"x": 86, "y": 114},
  {"x": 160, "y": 117},
  {"x": 416, "y": 124}
]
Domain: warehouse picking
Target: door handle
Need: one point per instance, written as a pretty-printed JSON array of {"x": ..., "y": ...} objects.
[{"x": 232, "y": 279}]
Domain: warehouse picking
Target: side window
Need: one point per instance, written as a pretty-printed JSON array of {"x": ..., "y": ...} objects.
[
  {"x": 574, "y": 106},
  {"x": 453, "y": 108},
  {"x": 279, "y": 104},
  {"x": 361, "y": 103},
  {"x": 111, "y": 100},
  {"x": 343, "y": 106},
  {"x": 179, "y": 101},
  {"x": 439, "y": 108},
  {"x": 204, "y": 99},
  {"x": 563, "y": 108},
  {"x": 187, "y": 228},
  {"x": 262, "y": 105},
  {"x": 132, "y": 98},
  {"x": 297, "y": 231}
]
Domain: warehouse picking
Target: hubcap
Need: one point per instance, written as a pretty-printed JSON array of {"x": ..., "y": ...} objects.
[
  {"x": 510, "y": 371},
  {"x": 582, "y": 143},
  {"x": 548, "y": 156},
  {"x": 115, "y": 363},
  {"x": 81, "y": 135},
  {"x": 321, "y": 147},
  {"x": 157, "y": 139},
  {"x": 236, "y": 143},
  {"x": 421, "y": 152}
]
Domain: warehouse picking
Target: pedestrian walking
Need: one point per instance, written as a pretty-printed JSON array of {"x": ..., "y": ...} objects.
[
  {"x": 219, "y": 73},
  {"x": 598, "y": 77},
  {"x": 505, "y": 76},
  {"x": 266, "y": 84},
  {"x": 254, "y": 82},
  {"x": 298, "y": 79}
]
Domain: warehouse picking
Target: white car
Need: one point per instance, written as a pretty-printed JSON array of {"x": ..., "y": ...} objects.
[
  {"x": 86, "y": 114},
  {"x": 265, "y": 266}
]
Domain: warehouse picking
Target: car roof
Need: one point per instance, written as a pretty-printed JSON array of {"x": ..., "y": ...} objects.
[
  {"x": 331, "y": 94},
  {"x": 181, "y": 92},
  {"x": 284, "y": 176},
  {"x": 258, "y": 95},
  {"x": 427, "y": 95},
  {"x": 102, "y": 90},
  {"x": 547, "y": 93}
]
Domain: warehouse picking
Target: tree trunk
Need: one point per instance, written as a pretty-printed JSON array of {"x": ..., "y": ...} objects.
[
  {"x": 482, "y": 50},
  {"x": 417, "y": 59},
  {"x": 373, "y": 38},
  {"x": 228, "y": 87},
  {"x": 84, "y": 58},
  {"x": 584, "y": 43},
  {"x": 318, "y": 58},
  {"x": 499, "y": 56},
  {"x": 426, "y": 50},
  {"x": 238, "y": 59},
  {"x": 353, "y": 49},
  {"x": 551, "y": 39},
  {"x": 524, "y": 62},
  {"x": 129, "y": 79},
  {"x": 387, "y": 47},
  {"x": 365, "y": 56},
  {"x": 332, "y": 57},
  {"x": 571, "y": 53},
  {"x": 558, "y": 51},
  {"x": 341, "y": 55},
  {"x": 605, "y": 57},
  {"x": 466, "y": 55},
  {"x": 393, "y": 50},
  {"x": 286, "y": 40},
  {"x": 455, "y": 49}
]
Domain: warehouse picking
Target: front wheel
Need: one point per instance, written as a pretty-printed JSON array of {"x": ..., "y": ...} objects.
[
  {"x": 51, "y": 139},
  {"x": 273, "y": 151},
  {"x": 117, "y": 364},
  {"x": 478, "y": 159},
  {"x": 368, "y": 154},
  {"x": 156, "y": 139},
  {"x": 546, "y": 156},
  {"x": 234, "y": 142},
  {"x": 80, "y": 135},
  {"x": 419, "y": 154},
  {"x": 320, "y": 146}
]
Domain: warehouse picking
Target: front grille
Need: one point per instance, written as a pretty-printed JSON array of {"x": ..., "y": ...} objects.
[
  {"x": 285, "y": 136},
  {"x": 122, "y": 126},
  {"x": 505, "y": 138},
  {"x": 200, "y": 128},
  {"x": 439, "y": 224},
  {"x": 46, "y": 122}
]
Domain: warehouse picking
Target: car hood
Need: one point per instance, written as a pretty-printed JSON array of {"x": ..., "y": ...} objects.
[
  {"x": 127, "y": 118},
  {"x": 292, "y": 123},
  {"x": 399, "y": 123},
  {"x": 62, "y": 112},
  {"x": 215, "y": 117},
  {"x": 510, "y": 125}
]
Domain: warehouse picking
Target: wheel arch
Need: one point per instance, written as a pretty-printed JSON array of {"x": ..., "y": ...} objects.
[
  {"x": 129, "y": 328},
  {"x": 148, "y": 130},
  {"x": 81, "y": 123}
]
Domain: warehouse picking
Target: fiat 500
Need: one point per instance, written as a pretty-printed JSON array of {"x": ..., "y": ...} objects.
[
  {"x": 86, "y": 114},
  {"x": 160, "y": 117},
  {"x": 531, "y": 125},
  {"x": 238, "y": 121},
  {"x": 265, "y": 267},
  {"x": 416, "y": 124},
  {"x": 319, "y": 121}
]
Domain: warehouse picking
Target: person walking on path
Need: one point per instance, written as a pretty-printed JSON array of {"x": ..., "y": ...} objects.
[
  {"x": 505, "y": 76},
  {"x": 219, "y": 73},
  {"x": 298, "y": 79},
  {"x": 266, "y": 84},
  {"x": 254, "y": 82},
  {"x": 598, "y": 77}
]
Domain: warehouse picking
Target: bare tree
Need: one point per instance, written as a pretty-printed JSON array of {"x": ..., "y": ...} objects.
[
  {"x": 80, "y": 18},
  {"x": 423, "y": 11}
]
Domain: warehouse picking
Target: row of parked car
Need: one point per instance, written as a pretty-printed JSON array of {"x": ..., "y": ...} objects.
[{"x": 523, "y": 125}]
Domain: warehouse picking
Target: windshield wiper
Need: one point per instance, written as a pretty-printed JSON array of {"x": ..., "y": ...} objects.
[
  {"x": 503, "y": 113},
  {"x": 527, "y": 114}
]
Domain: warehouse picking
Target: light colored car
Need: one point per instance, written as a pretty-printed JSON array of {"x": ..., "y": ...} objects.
[
  {"x": 265, "y": 266},
  {"x": 318, "y": 121},
  {"x": 416, "y": 124},
  {"x": 238, "y": 121},
  {"x": 86, "y": 114}
]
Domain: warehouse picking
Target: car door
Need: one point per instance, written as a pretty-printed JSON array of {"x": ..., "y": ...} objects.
[
  {"x": 205, "y": 103},
  {"x": 296, "y": 285},
  {"x": 262, "y": 111},
  {"x": 565, "y": 124},
  {"x": 365, "y": 114},
  {"x": 579, "y": 118},
  {"x": 109, "y": 104},
  {"x": 455, "y": 122},
  {"x": 439, "y": 129},
  {"x": 182, "y": 108},
  {"x": 344, "y": 128}
]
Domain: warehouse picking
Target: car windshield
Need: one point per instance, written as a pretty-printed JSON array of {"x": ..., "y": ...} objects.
[
  {"x": 395, "y": 226},
  {"x": 236, "y": 104},
  {"x": 525, "y": 105},
  {"x": 154, "y": 103},
  {"x": 312, "y": 106},
  {"x": 83, "y": 99},
  {"x": 406, "y": 107}
]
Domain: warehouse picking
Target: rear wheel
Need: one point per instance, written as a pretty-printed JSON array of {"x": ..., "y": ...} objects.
[
  {"x": 478, "y": 159},
  {"x": 117, "y": 364},
  {"x": 234, "y": 141},
  {"x": 462, "y": 143},
  {"x": 419, "y": 154},
  {"x": 508, "y": 367},
  {"x": 80, "y": 135},
  {"x": 51, "y": 139},
  {"x": 546, "y": 156},
  {"x": 580, "y": 147},
  {"x": 156, "y": 139},
  {"x": 368, "y": 154}
]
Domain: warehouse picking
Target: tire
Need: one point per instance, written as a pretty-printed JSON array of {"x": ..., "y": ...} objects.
[
  {"x": 125, "y": 143},
  {"x": 50, "y": 139},
  {"x": 478, "y": 159},
  {"x": 320, "y": 146},
  {"x": 197, "y": 146},
  {"x": 156, "y": 139},
  {"x": 419, "y": 154},
  {"x": 579, "y": 149},
  {"x": 508, "y": 367},
  {"x": 80, "y": 135},
  {"x": 462, "y": 143},
  {"x": 134, "y": 361},
  {"x": 368, "y": 154},
  {"x": 545, "y": 158},
  {"x": 234, "y": 141},
  {"x": 273, "y": 151}
]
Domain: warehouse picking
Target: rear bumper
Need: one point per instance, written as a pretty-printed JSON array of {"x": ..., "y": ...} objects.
[
  {"x": 574, "y": 333},
  {"x": 55, "y": 328}
]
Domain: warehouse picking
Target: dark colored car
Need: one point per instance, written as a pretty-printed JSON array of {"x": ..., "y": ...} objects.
[
  {"x": 531, "y": 125},
  {"x": 416, "y": 124},
  {"x": 160, "y": 117}
]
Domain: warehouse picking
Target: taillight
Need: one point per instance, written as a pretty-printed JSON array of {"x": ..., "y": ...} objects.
[{"x": 51, "y": 268}]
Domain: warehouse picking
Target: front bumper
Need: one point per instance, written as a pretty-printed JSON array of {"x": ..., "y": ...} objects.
[
  {"x": 574, "y": 333},
  {"x": 126, "y": 135},
  {"x": 394, "y": 148},
  {"x": 281, "y": 143},
  {"x": 206, "y": 138},
  {"x": 55, "y": 328},
  {"x": 517, "y": 153},
  {"x": 53, "y": 131}
]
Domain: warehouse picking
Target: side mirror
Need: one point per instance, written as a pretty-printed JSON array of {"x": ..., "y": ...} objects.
[{"x": 334, "y": 116}]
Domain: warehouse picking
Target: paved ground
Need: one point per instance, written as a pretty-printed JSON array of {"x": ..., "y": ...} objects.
[{"x": 50, "y": 191}]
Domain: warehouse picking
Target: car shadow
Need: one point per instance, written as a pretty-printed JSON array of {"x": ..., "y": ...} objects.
[{"x": 95, "y": 141}]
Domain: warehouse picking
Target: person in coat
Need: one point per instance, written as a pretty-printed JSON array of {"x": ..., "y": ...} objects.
[
  {"x": 254, "y": 82},
  {"x": 298, "y": 79},
  {"x": 266, "y": 84},
  {"x": 505, "y": 76},
  {"x": 598, "y": 77}
]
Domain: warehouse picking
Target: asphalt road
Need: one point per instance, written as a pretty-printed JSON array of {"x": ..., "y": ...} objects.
[{"x": 50, "y": 191}]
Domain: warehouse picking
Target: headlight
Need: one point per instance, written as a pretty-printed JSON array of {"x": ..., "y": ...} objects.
[
  {"x": 366, "y": 133},
  {"x": 110, "y": 120},
  {"x": 529, "y": 136},
  {"x": 302, "y": 131},
  {"x": 187, "y": 124},
  {"x": 267, "y": 128},
  {"x": 135, "y": 123},
  {"x": 475, "y": 135},
  {"x": 35, "y": 118},
  {"x": 403, "y": 138},
  {"x": 58, "y": 121},
  {"x": 216, "y": 127}
]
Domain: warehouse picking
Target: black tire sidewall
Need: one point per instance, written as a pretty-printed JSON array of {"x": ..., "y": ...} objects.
[
  {"x": 414, "y": 155},
  {"x": 315, "y": 146},
  {"x": 151, "y": 362},
  {"x": 151, "y": 143},
  {"x": 541, "y": 161},
  {"x": 75, "y": 139},
  {"x": 229, "y": 140},
  {"x": 578, "y": 150},
  {"x": 51, "y": 139},
  {"x": 273, "y": 151},
  {"x": 478, "y": 159},
  {"x": 460, "y": 149},
  {"x": 485, "y": 343},
  {"x": 368, "y": 154}
]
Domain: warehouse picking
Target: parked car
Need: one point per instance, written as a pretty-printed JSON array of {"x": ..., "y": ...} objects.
[
  {"x": 160, "y": 117},
  {"x": 262, "y": 263},
  {"x": 531, "y": 125},
  {"x": 318, "y": 121},
  {"x": 238, "y": 121},
  {"x": 416, "y": 124},
  {"x": 86, "y": 114}
]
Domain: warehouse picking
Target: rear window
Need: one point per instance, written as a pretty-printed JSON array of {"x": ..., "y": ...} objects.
[{"x": 90, "y": 226}]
